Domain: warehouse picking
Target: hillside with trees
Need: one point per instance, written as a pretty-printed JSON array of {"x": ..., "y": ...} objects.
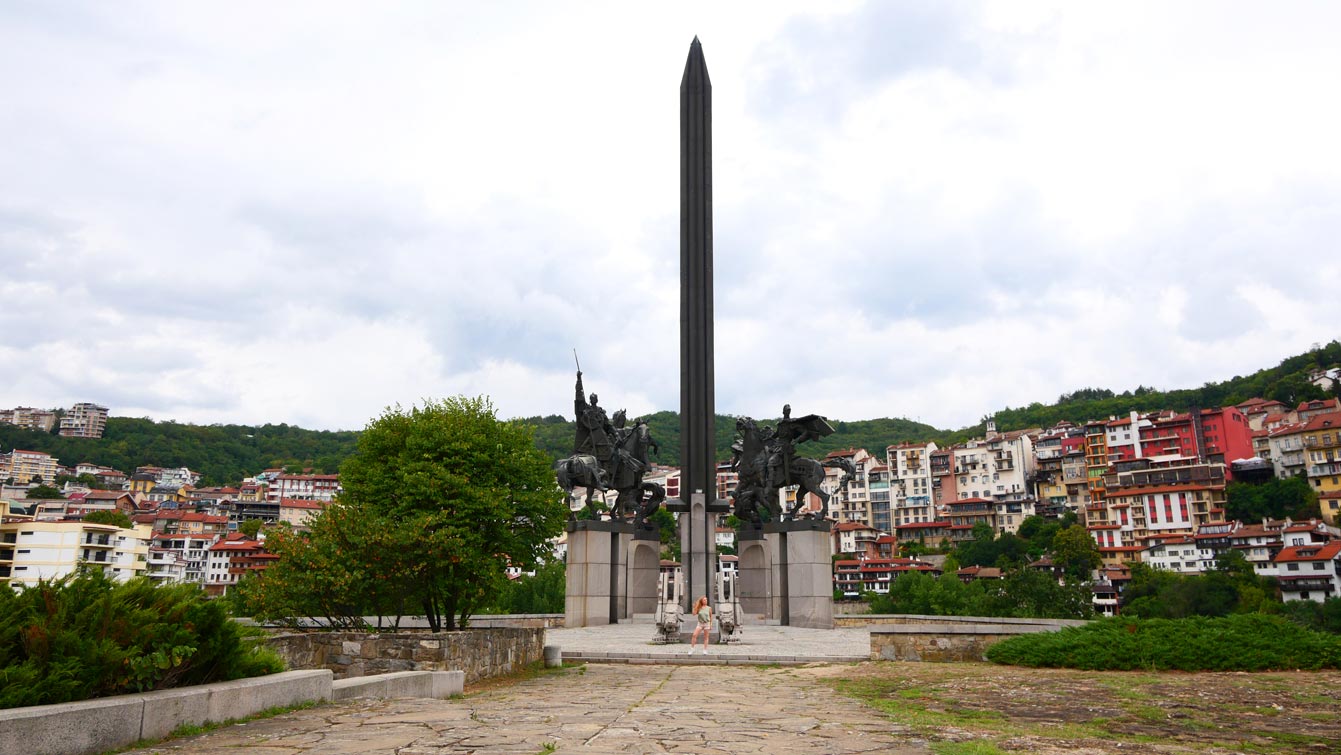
[
  {"x": 221, "y": 453},
  {"x": 227, "y": 453}
]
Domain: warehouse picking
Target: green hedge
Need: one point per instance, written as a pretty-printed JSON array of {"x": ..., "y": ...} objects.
[
  {"x": 1242, "y": 642},
  {"x": 86, "y": 636}
]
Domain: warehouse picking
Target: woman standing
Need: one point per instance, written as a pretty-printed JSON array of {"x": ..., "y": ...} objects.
[{"x": 704, "y": 615}]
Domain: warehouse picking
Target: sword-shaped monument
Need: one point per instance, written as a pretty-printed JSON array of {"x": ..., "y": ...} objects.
[{"x": 698, "y": 505}]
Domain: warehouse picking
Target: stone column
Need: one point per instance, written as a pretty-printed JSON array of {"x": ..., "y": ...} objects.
[
  {"x": 597, "y": 579},
  {"x": 644, "y": 567},
  {"x": 754, "y": 589},
  {"x": 802, "y": 578}
]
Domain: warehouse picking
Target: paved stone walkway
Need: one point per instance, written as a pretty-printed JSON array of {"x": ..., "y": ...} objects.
[
  {"x": 633, "y": 643},
  {"x": 598, "y": 709}
]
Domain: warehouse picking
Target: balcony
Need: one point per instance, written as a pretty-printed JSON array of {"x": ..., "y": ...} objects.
[
  {"x": 1324, "y": 470},
  {"x": 98, "y": 541},
  {"x": 96, "y": 557}
]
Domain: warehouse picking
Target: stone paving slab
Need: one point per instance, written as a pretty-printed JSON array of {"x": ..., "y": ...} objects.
[
  {"x": 755, "y": 644},
  {"x": 605, "y": 709}
]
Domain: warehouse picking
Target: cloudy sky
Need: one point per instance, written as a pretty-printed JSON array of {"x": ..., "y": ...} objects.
[{"x": 305, "y": 212}]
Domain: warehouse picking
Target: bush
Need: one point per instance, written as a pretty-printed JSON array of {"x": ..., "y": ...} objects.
[
  {"x": 85, "y": 636},
  {"x": 1242, "y": 642}
]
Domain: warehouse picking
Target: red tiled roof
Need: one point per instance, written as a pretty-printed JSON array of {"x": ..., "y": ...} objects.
[{"x": 1322, "y": 552}]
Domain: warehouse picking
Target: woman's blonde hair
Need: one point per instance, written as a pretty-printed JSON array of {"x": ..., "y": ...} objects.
[{"x": 702, "y": 601}]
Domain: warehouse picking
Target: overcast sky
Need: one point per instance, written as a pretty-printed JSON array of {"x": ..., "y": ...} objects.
[{"x": 305, "y": 212}]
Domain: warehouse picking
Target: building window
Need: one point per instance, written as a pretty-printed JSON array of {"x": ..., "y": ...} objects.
[{"x": 1292, "y": 567}]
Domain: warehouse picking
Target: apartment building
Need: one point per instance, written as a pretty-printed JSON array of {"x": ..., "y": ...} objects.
[
  {"x": 1321, "y": 435},
  {"x": 179, "y": 557},
  {"x": 912, "y": 487},
  {"x": 33, "y": 551},
  {"x": 228, "y": 560},
  {"x": 1148, "y": 501},
  {"x": 1309, "y": 572},
  {"x": 303, "y": 487},
  {"x": 84, "y": 421},
  {"x": 999, "y": 469},
  {"x": 27, "y": 466},
  {"x": 29, "y": 418}
]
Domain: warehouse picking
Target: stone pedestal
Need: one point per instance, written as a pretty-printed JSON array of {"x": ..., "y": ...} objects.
[
  {"x": 597, "y": 575},
  {"x": 698, "y": 546},
  {"x": 644, "y": 567},
  {"x": 802, "y": 579},
  {"x": 754, "y": 588}
]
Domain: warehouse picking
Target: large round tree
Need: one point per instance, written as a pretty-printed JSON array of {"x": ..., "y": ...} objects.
[{"x": 436, "y": 503}]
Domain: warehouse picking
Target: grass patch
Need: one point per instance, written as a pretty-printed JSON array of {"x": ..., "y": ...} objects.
[
  {"x": 1244, "y": 642},
  {"x": 965, "y": 748},
  {"x": 194, "y": 730}
]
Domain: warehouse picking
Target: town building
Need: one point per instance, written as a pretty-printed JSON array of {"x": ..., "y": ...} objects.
[
  {"x": 230, "y": 559},
  {"x": 303, "y": 487},
  {"x": 1309, "y": 572},
  {"x": 84, "y": 421},
  {"x": 31, "y": 466},
  {"x": 912, "y": 488},
  {"x": 41, "y": 420},
  {"x": 34, "y": 551}
]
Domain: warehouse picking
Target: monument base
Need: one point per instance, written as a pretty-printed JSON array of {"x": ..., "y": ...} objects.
[
  {"x": 754, "y": 589},
  {"x": 644, "y": 564},
  {"x": 597, "y": 579},
  {"x": 802, "y": 573}
]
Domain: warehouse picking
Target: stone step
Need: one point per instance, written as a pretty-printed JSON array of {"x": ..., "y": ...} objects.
[{"x": 719, "y": 654}]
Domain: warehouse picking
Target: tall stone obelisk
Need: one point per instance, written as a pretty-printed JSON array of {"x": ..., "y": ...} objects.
[{"x": 698, "y": 465}]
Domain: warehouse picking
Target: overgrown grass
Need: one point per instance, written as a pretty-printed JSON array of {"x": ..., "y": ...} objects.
[{"x": 1245, "y": 642}]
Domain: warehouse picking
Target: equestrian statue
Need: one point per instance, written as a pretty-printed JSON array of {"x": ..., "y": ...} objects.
[
  {"x": 765, "y": 460},
  {"x": 610, "y": 455}
]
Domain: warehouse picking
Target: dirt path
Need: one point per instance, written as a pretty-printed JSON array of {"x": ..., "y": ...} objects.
[{"x": 1052, "y": 711}]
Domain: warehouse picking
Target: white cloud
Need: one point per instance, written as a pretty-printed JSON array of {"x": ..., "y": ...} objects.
[{"x": 297, "y": 213}]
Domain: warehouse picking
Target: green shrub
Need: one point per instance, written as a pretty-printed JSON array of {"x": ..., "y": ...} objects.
[
  {"x": 1241, "y": 642},
  {"x": 85, "y": 636}
]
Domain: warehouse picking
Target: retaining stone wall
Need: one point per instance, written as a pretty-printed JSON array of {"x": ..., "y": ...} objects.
[
  {"x": 480, "y": 653},
  {"x": 875, "y": 619},
  {"x": 951, "y": 642}
]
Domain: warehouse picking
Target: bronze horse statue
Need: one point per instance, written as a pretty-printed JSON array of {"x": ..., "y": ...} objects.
[{"x": 766, "y": 463}]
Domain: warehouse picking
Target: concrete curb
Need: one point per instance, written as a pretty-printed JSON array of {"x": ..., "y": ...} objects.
[
  {"x": 434, "y": 684},
  {"x": 109, "y": 723},
  {"x": 93, "y": 726}
]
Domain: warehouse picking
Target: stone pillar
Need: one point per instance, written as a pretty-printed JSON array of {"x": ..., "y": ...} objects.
[
  {"x": 597, "y": 579},
  {"x": 802, "y": 579},
  {"x": 644, "y": 566},
  {"x": 754, "y": 589},
  {"x": 698, "y": 550}
]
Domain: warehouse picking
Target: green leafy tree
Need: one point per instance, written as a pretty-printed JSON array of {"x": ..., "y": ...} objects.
[
  {"x": 1075, "y": 551},
  {"x": 438, "y": 501},
  {"x": 43, "y": 491},
  {"x": 250, "y": 527},
  {"x": 117, "y": 518},
  {"x": 541, "y": 592},
  {"x": 1274, "y": 499}
]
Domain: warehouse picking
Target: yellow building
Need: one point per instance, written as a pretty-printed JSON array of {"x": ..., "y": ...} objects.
[
  {"x": 25, "y": 465},
  {"x": 1321, "y": 437}
]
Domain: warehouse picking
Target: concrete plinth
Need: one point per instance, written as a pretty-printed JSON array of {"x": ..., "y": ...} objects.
[
  {"x": 597, "y": 578},
  {"x": 754, "y": 586},
  {"x": 802, "y": 574},
  {"x": 644, "y": 566}
]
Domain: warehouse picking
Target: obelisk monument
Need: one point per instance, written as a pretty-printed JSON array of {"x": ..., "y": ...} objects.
[{"x": 698, "y": 505}]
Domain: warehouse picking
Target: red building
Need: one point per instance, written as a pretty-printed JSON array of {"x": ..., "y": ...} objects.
[{"x": 1214, "y": 435}]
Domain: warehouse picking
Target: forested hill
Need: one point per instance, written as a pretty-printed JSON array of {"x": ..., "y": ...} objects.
[
  {"x": 555, "y": 435},
  {"x": 221, "y": 453},
  {"x": 227, "y": 453},
  {"x": 1287, "y": 382}
]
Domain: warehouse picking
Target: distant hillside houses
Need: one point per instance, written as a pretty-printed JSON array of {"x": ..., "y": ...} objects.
[
  {"x": 83, "y": 420},
  {"x": 179, "y": 532}
]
